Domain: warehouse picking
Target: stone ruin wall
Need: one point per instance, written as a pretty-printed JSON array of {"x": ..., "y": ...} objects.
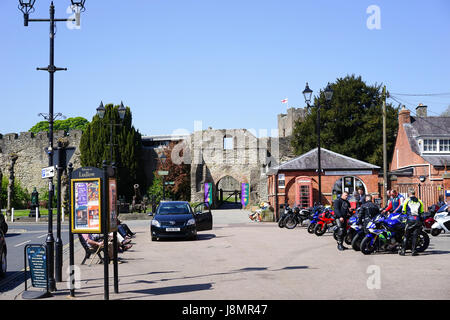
[{"x": 32, "y": 157}]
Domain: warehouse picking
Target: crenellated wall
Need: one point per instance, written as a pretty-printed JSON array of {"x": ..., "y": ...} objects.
[{"x": 32, "y": 157}]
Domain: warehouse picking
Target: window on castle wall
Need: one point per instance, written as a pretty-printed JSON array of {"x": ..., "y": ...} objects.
[{"x": 228, "y": 143}]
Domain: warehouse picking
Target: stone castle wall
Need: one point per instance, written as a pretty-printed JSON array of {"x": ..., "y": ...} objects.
[{"x": 30, "y": 149}]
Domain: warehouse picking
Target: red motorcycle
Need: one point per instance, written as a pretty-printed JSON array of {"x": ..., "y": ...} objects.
[
  {"x": 428, "y": 217},
  {"x": 326, "y": 220}
]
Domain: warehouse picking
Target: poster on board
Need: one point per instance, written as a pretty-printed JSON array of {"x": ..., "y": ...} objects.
[{"x": 86, "y": 205}]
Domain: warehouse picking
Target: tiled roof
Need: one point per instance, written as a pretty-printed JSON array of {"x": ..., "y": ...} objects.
[
  {"x": 426, "y": 127},
  {"x": 329, "y": 161}
]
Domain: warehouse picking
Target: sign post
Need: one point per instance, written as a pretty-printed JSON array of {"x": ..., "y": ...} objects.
[
  {"x": 36, "y": 259},
  {"x": 89, "y": 209}
]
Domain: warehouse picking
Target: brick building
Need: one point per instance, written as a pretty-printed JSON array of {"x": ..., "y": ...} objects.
[
  {"x": 295, "y": 181},
  {"x": 421, "y": 155}
]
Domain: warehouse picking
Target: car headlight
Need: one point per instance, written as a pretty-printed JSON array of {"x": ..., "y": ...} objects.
[
  {"x": 190, "y": 222},
  {"x": 156, "y": 223}
]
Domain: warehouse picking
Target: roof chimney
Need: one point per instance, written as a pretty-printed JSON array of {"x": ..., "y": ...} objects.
[
  {"x": 421, "y": 111},
  {"x": 404, "y": 116}
]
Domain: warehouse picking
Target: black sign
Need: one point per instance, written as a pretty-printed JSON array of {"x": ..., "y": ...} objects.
[
  {"x": 37, "y": 261},
  {"x": 87, "y": 172}
]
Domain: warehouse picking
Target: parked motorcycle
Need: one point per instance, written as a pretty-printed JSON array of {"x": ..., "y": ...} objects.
[
  {"x": 292, "y": 218},
  {"x": 325, "y": 221},
  {"x": 442, "y": 223},
  {"x": 284, "y": 215},
  {"x": 361, "y": 228},
  {"x": 315, "y": 218},
  {"x": 389, "y": 236},
  {"x": 353, "y": 220}
]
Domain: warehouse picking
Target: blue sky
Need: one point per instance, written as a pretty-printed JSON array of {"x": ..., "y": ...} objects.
[{"x": 226, "y": 63}]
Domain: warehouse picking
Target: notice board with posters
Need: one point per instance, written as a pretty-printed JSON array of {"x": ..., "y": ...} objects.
[{"x": 86, "y": 202}]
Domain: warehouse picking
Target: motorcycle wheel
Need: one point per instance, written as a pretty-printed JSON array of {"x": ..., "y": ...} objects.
[
  {"x": 281, "y": 223},
  {"x": 311, "y": 227},
  {"x": 320, "y": 229},
  {"x": 436, "y": 232},
  {"x": 356, "y": 241},
  {"x": 290, "y": 223},
  {"x": 366, "y": 247},
  {"x": 422, "y": 242},
  {"x": 349, "y": 237}
]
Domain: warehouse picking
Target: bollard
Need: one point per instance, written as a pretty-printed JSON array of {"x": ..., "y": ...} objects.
[
  {"x": 12, "y": 214},
  {"x": 63, "y": 214},
  {"x": 37, "y": 214}
]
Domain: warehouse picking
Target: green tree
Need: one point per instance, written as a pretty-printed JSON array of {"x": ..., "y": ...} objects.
[
  {"x": 77, "y": 123},
  {"x": 126, "y": 150},
  {"x": 155, "y": 191},
  {"x": 351, "y": 124},
  {"x": 20, "y": 197}
]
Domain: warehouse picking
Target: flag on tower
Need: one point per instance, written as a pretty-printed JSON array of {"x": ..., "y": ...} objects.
[{"x": 284, "y": 100}]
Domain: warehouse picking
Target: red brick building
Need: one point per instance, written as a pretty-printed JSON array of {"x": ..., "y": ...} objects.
[
  {"x": 421, "y": 155},
  {"x": 295, "y": 181}
]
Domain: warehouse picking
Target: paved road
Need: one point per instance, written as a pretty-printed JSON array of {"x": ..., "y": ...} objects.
[
  {"x": 240, "y": 259},
  {"x": 19, "y": 235}
]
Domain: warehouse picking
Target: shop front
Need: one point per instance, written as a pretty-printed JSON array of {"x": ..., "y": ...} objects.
[{"x": 295, "y": 182}]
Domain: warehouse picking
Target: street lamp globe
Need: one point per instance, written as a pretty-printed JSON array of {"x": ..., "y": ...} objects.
[
  {"x": 122, "y": 111},
  {"x": 26, "y": 5},
  {"x": 101, "y": 110},
  {"x": 328, "y": 92},
  {"x": 79, "y": 4},
  {"x": 307, "y": 93}
]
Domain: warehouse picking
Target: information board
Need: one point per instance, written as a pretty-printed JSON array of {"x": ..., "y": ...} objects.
[
  {"x": 37, "y": 261},
  {"x": 86, "y": 205}
]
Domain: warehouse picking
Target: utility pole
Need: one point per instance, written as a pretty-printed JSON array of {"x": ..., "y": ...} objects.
[{"x": 385, "y": 182}]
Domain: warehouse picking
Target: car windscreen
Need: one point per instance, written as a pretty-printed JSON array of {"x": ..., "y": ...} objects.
[{"x": 174, "y": 208}]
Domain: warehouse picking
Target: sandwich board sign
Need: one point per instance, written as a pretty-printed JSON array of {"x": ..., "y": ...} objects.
[{"x": 36, "y": 259}]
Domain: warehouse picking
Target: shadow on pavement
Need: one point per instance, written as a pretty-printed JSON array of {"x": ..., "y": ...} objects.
[
  {"x": 173, "y": 289},
  {"x": 433, "y": 252},
  {"x": 8, "y": 235}
]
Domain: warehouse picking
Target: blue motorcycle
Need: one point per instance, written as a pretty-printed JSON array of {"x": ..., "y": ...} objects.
[
  {"x": 314, "y": 218},
  {"x": 389, "y": 236}
]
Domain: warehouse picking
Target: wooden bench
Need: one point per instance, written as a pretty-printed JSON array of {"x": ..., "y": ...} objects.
[{"x": 88, "y": 250}]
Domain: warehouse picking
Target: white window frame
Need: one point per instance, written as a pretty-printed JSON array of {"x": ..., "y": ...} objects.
[
  {"x": 281, "y": 177},
  {"x": 438, "y": 145}
]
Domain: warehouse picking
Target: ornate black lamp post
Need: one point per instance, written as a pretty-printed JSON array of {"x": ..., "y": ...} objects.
[
  {"x": 307, "y": 93},
  {"x": 27, "y": 7}
]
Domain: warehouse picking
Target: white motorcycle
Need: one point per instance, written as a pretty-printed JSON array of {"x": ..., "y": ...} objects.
[{"x": 442, "y": 223}]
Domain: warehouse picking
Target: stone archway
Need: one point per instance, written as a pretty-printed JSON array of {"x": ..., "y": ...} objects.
[{"x": 228, "y": 193}]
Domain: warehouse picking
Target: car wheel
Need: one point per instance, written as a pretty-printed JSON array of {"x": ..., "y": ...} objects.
[
  {"x": 153, "y": 238},
  {"x": 3, "y": 263}
]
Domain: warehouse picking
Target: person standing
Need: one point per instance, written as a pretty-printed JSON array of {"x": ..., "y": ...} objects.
[
  {"x": 396, "y": 202},
  {"x": 413, "y": 207},
  {"x": 361, "y": 197},
  {"x": 369, "y": 210},
  {"x": 341, "y": 212}
]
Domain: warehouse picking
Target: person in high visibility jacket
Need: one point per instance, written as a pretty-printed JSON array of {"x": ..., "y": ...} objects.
[{"x": 414, "y": 208}]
